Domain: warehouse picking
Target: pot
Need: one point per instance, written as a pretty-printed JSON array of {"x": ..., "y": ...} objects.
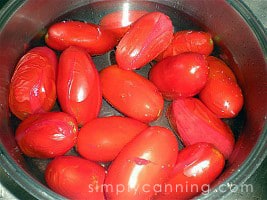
[{"x": 240, "y": 42}]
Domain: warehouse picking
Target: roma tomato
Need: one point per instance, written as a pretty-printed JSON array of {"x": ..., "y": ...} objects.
[
  {"x": 75, "y": 178},
  {"x": 197, "y": 166},
  {"x": 64, "y": 34},
  {"x": 103, "y": 138},
  {"x": 32, "y": 86},
  {"x": 145, "y": 40},
  {"x": 224, "y": 103},
  {"x": 194, "y": 123},
  {"x": 119, "y": 22},
  {"x": 142, "y": 165},
  {"x": 219, "y": 70},
  {"x": 131, "y": 94},
  {"x": 47, "y": 135},
  {"x": 189, "y": 41},
  {"x": 78, "y": 85},
  {"x": 183, "y": 75},
  {"x": 228, "y": 101}
]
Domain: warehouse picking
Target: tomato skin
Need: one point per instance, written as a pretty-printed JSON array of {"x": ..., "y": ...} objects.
[
  {"x": 189, "y": 41},
  {"x": 183, "y": 75},
  {"x": 225, "y": 103},
  {"x": 32, "y": 86},
  {"x": 120, "y": 21},
  {"x": 194, "y": 123},
  {"x": 64, "y": 34},
  {"x": 219, "y": 70},
  {"x": 103, "y": 138},
  {"x": 47, "y": 135},
  {"x": 228, "y": 101},
  {"x": 131, "y": 94},
  {"x": 147, "y": 38},
  {"x": 144, "y": 162},
  {"x": 75, "y": 177},
  {"x": 78, "y": 85},
  {"x": 196, "y": 167}
]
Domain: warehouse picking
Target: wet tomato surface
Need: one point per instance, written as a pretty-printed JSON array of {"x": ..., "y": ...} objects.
[
  {"x": 178, "y": 76},
  {"x": 146, "y": 39},
  {"x": 227, "y": 101},
  {"x": 196, "y": 167},
  {"x": 47, "y": 135},
  {"x": 103, "y": 138},
  {"x": 189, "y": 41},
  {"x": 119, "y": 22},
  {"x": 131, "y": 93},
  {"x": 89, "y": 36},
  {"x": 144, "y": 162},
  {"x": 218, "y": 69},
  {"x": 75, "y": 178},
  {"x": 78, "y": 85},
  {"x": 195, "y": 123},
  {"x": 33, "y": 84}
]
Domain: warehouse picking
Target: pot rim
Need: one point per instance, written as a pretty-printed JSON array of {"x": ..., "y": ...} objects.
[{"x": 247, "y": 168}]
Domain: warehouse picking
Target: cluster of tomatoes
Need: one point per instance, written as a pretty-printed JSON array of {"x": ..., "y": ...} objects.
[{"x": 144, "y": 159}]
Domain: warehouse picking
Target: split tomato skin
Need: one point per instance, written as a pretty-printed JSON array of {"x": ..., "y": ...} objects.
[
  {"x": 75, "y": 178},
  {"x": 89, "y": 36},
  {"x": 131, "y": 94},
  {"x": 183, "y": 75},
  {"x": 120, "y": 21},
  {"x": 33, "y": 84},
  {"x": 228, "y": 101},
  {"x": 189, "y": 41},
  {"x": 194, "y": 123},
  {"x": 78, "y": 85},
  {"x": 197, "y": 166},
  {"x": 146, "y": 39},
  {"x": 103, "y": 138},
  {"x": 47, "y": 135},
  {"x": 142, "y": 164}
]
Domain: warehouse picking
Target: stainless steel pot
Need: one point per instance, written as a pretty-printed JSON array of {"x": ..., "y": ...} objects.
[{"x": 241, "y": 42}]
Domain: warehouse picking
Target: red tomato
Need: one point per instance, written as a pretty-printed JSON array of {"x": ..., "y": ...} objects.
[
  {"x": 183, "y": 75},
  {"x": 189, "y": 41},
  {"x": 119, "y": 22},
  {"x": 64, "y": 34},
  {"x": 228, "y": 100},
  {"x": 224, "y": 103},
  {"x": 219, "y": 70},
  {"x": 131, "y": 94},
  {"x": 145, "y": 40},
  {"x": 78, "y": 85},
  {"x": 33, "y": 87},
  {"x": 47, "y": 135},
  {"x": 194, "y": 123},
  {"x": 196, "y": 167},
  {"x": 75, "y": 178},
  {"x": 103, "y": 138},
  {"x": 142, "y": 165}
]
